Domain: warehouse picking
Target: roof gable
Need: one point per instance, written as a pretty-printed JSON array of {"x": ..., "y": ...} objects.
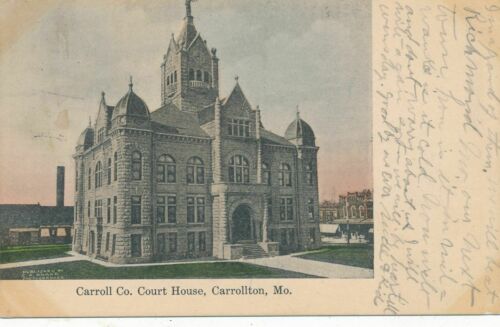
[{"x": 237, "y": 102}]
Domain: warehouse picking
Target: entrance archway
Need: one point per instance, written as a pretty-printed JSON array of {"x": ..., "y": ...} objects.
[{"x": 242, "y": 228}]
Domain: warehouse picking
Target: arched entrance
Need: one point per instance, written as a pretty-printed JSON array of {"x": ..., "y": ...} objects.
[{"x": 242, "y": 226}]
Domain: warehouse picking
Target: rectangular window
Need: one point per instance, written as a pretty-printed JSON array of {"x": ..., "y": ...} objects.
[
  {"x": 76, "y": 210},
  {"x": 239, "y": 127},
  {"x": 89, "y": 182},
  {"x": 172, "y": 242},
  {"x": 283, "y": 237},
  {"x": 115, "y": 203},
  {"x": 113, "y": 245},
  {"x": 310, "y": 209},
  {"x": 202, "y": 242},
  {"x": 160, "y": 173},
  {"x": 136, "y": 210},
  {"x": 161, "y": 243},
  {"x": 171, "y": 175},
  {"x": 195, "y": 209},
  {"x": 115, "y": 167},
  {"x": 291, "y": 236},
  {"x": 172, "y": 209},
  {"x": 107, "y": 241},
  {"x": 286, "y": 208},
  {"x": 312, "y": 235},
  {"x": 160, "y": 209},
  {"x": 200, "y": 175},
  {"x": 190, "y": 175},
  {"x": 190, "y": 210},
  {"x": 136, "y": 245},
  {"x": 200, "y": 210},
  {"x": 88, "y": 210},
  {"x": 108, "y": 211},
  {"x": 109, "y": 171},
  {"x": 190, "y": 239}
]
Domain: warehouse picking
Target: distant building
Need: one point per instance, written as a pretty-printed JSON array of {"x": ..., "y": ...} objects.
[
  {"x": 351, "y": 216},
  {"x": 25, "y": 224}
]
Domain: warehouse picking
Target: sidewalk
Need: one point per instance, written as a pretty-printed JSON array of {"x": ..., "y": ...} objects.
[
  {"x": 39, "y": 262},
  {"x": 312, "y": 267}
]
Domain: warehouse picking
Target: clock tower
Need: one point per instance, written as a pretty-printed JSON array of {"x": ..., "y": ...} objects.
[{"x": 190, "y": 71}]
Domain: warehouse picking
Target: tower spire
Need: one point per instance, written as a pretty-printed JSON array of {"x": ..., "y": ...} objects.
[
  {"x": 298, "y": 112},
  {"x": 188, "y": 8},
  {"x": 130, "y": 84}
]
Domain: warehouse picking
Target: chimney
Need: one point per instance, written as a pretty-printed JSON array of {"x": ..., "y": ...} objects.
[{"x": 60, "y": 186}]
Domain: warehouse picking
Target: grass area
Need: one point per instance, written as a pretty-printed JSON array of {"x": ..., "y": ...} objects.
[
  {"x": 89, "y": 270},
  {"x": 33, "y": 252},
  {"x": 357, "y": 255}
]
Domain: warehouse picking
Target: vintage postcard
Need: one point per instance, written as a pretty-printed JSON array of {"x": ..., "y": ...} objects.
[{"x": 249, "y": 157}]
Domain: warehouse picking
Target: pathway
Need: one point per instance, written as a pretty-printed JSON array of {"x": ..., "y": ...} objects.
[{"x": 312, "y": 267}]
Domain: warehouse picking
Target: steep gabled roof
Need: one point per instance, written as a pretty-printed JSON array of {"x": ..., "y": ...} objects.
[
  {"x": 236, "y": 100},
  {"x": 169, "y": 119}
]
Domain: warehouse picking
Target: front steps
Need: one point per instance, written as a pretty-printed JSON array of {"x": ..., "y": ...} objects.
[{"x": 253, "y": 251}]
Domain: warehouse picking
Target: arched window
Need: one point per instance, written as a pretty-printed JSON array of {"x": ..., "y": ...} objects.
[
  {"x": 172, "y": 78},
  {"x": 195, "y": 171},
  {"x": 353, "y": 212},
  {"x": 309, "y": 174},
  {"x": 206, "y": 77},
  {"x": 175, "y": 76},
  {"x": 266, "y": 174},
  {"x": 136, "y": 165},
  {"x": 108, "y": 171},
  {"x": 98, "y": 174},
  {"x": 239, "y": 171},
  {"x": 168, "y": 80},
  {"x": 166, "y": 169},
  {"x": 191, "y": 75},
  {"x": 285, "y": 177},
  {"x": 115, "y": 168},
  {"x": 198, "y": 75}
]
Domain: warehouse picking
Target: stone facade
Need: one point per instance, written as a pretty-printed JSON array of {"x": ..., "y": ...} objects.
[{"x": 198, "y": 177}]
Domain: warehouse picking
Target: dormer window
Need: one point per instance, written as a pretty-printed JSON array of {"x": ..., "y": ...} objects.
[
  {"x": 191, "y": 75},
  {"x": 239, "y": 127}
]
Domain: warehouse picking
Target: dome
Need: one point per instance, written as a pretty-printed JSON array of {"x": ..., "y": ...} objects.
[
  {"x": 131, "y": 105},
  {"x": 300, "y": 132},
  {"x": 86, "y": 139}
]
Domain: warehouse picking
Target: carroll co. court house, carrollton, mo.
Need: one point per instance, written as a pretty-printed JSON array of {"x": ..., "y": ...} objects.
[{"x": 198, "y": 177}]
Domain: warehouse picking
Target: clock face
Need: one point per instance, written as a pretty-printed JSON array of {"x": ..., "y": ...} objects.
[{"x": 123, "y": 120}]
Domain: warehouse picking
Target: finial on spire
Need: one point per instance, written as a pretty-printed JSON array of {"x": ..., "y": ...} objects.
[
  {"x": 236, "y": 78},
  {"x": 298, "y": 112},
  {"x": 90, "y": 121},
  {"x": 188, "y": 7},
  {"x": 131, "y": 83},
  {"x": 103, "y": 95}
]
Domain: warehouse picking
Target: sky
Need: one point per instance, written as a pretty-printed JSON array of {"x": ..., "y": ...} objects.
[{"x": 53, "y": 67}]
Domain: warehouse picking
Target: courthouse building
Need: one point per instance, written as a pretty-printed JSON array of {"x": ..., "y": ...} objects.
[{"x": 198, "y": 177}]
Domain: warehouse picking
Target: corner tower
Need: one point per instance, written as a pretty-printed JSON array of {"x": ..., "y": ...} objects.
[{"x": 190, "y": 71}]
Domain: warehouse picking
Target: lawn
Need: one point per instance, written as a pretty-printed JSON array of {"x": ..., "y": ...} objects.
[
  {"x": 89, "y": 270},
  {"x": 357, "y": 255},
  {"x": 33, "y": 252}
]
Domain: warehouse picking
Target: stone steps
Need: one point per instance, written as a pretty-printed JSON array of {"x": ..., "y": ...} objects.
[{"x": 252, "y": 251}]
